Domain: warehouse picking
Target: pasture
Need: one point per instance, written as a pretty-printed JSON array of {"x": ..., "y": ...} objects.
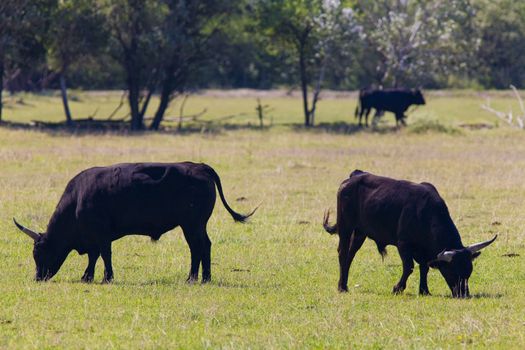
[{"x": 274, "y": 280}]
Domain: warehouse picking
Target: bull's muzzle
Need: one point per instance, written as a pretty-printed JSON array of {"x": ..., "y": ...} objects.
[{"x": 461, "y": 290}]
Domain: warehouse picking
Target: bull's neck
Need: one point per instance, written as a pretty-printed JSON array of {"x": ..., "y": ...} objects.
[
  {"x": 446, "y": 236},
  {"x": 59, "y": 232}
]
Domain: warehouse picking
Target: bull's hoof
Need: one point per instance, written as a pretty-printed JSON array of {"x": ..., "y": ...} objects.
[
  {"x": 107, "y": 279},
  {"x": 206, "y": 279},
  {"x": 87, "y": 278},
  {"x": 192, "y": 279},
  {"x": 398, "y": 289},
  {"x": 424, "y": 292},
  {"x": 342, "y": 289}
]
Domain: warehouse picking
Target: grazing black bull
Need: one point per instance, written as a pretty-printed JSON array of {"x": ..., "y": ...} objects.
[
  {"x": 396, "y": 101},
  {"x": 103, "y": 204},
  {"x": 412, "y": 217}
]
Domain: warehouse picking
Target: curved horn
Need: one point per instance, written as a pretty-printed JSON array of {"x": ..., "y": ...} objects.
[
  {"x": 446, "y": 255},
  {"x": 478, "y": 246},
  {"x": 27, "y": 231}
]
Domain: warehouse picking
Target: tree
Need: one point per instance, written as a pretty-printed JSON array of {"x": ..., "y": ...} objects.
[
  {"x": 189, "y": 27},
  {"x": 23, "y": 24},
  {"x": 291, "y": 25},
  {"x": 311, "y": 31},
  {"x": 136, "y": 36},
  {"x": 337, "y": 33},
  {"x": 77, "y": 31},
  {"x": 501, "y": 55},
  {"x": 417, "y": 41}
]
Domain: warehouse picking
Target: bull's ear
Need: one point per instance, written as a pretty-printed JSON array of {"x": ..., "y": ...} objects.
[
  {"x": 436, "y": 264},
  {"x": 475, "y": 255}
]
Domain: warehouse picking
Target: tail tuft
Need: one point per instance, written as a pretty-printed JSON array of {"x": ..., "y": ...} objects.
[
  {"x": 236, "y": 216},
  {"x": 243, "y": 218},
  {"x": 331, "y": 229}
]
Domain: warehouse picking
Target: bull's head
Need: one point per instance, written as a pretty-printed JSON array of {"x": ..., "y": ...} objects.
[
  {"x": 456, "y": 266},
  {"x": 48, "y": 258},
  {"x": 418, "y": 98}
]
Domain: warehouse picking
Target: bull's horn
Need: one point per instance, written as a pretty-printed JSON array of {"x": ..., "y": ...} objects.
[
  {"x": 446, "y": 255},
  {"x": 27, "y": 231},
  {"x": 478, "y": 246}
]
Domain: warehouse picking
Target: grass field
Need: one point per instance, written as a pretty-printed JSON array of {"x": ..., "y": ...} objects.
[{"x": 275, "y": 278}]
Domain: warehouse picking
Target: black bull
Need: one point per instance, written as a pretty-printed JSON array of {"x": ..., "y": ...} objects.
[
  {"x": 103, "y": 204},
  {"x": 396, "y": 101},
  {"x": 413, "y": 217}
]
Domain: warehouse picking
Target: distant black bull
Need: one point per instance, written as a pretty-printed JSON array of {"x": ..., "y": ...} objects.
[
  {"x": 103, "y": 204},
  {"x": 413, "y": 217},
  {"x": 396, "y": 101}
]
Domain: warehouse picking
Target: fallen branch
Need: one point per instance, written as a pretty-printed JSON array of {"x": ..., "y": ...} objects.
[
  {"x": 194, "y": 117},
  {"x": 119, "y": 106},
  {"x": 509, "y": 118},
  {"x": 519, "y": 119}
]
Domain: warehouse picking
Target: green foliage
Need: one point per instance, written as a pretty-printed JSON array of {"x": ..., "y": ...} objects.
[
  {"x": 256, "y": 43},
  {"x": 501, "y": 58},
  {"x": 418, "y": 41},
  {"x": 77, "y": 33}
]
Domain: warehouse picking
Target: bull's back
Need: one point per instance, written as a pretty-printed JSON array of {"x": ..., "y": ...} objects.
[
  {"x": 378, "y": 204},
  {"x": 387, "y": 100},
  {"x": 147, "y": 197}
]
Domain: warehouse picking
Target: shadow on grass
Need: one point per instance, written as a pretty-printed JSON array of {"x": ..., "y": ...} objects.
[
  {"x": 486, "y": 296},
  {"x": 175, "y": 280},
  {"x": 415, "y": 295},
  {"x": 344, "y": 128},
  {"x": 121, "y": 128}
]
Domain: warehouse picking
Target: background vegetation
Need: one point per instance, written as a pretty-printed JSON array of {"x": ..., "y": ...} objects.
[{"x": 168, "y": 47}]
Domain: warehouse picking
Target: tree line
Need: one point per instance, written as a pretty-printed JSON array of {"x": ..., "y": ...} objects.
[{"x": 169, "y": 47}]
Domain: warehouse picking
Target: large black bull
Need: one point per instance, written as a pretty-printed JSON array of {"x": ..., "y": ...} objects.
[
  {"x": 413, "y": 217},
  {"x": 396, "y": 101},
  {"x": 103, "y": 204}
]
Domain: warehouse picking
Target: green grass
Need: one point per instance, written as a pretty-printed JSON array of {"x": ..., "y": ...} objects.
[{"x": 275, "y": 278}]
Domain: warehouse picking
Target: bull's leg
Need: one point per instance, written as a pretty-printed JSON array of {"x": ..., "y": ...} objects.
[
  {"x": 89, "y": 274},
  {"x": 348, "y": 247},
  {"x": 105, "y": 252},
  {"x": 195, "y": 244},
  {"x": 366, "y": 116},
  {"x": 408, "y": 267},
  {"x": 400, "y": 119},
  {"x": 423, "y": 285},
  {"x": 206, "y": 259}
]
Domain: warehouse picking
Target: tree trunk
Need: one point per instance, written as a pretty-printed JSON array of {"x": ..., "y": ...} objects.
[
  {"x": 163, "y": 106},
  {"x": 1, "y": 84},
  {"x": 304, "y": 84},
  {"x": 133, "y": 98},
  {"x": 146, "y": 103},
  {"x": 317, "y": 91},
  {"x": 165, "y": 97},
  {"x": 63, "y": 91}
]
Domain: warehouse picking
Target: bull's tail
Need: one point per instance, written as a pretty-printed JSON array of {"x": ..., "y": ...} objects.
[
  {"x": 236, "y": 216},
  {"x": 331, "y": 229}
]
